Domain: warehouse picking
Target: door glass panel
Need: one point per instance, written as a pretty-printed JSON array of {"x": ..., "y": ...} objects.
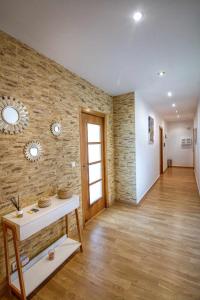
[
  {"x": 94, "y": 152},
  {"x": 95, "y": 192},
  {"x": 94, "y": 133},
  {"x": 94, "y": 172}
]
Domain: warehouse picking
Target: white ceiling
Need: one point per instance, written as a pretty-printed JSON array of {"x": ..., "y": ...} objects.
[{"x": 98, "y": 40}]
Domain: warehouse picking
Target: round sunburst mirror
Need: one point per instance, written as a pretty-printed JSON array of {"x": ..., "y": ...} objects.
[
  {"x": 14, "y": 116},
  {"x": 56, "y": 128},
  {"x": 33, "y": 151}
]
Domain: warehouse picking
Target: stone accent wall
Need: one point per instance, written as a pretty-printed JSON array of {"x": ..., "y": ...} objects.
[
  {"x": 50, "y": 92},
  {"x": 124, "y": 144}
]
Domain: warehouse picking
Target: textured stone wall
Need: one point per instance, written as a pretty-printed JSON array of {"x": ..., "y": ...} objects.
[
  {"x": 124, "y": 144},
  {"x": 50, "y": 92}
]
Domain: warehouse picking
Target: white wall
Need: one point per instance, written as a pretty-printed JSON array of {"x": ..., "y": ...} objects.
[
  {"x": 197, "y": 147},
  {"x": 181, "y": 155},
  {"x": 147, "y": 155}
]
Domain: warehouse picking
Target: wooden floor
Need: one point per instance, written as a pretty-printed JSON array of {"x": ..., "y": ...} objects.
[{"x": 150, "y": 252}]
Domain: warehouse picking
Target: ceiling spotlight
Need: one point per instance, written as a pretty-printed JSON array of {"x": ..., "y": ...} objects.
[
  {"x": 137, "y": 16},
  {"x": 176, "y": 111},
  {"x": 173, "y": 105},
  {"x": 178, "y": 116},
  {"x": 169, "y": 94},
  {"x": 161, "y": 73}
]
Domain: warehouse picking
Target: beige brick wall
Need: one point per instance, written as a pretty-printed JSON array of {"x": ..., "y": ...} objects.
[
  {"x": 50, "y": 92},
  {"x": 124, "y": 144}
]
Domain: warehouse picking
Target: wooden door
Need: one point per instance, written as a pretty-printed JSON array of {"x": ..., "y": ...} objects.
[
  {"x": 93, "y": 164},
  {"x": 161, "y": 150}
]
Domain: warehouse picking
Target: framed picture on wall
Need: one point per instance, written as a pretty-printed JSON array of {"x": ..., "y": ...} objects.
[{"x": 151, "y": 130}]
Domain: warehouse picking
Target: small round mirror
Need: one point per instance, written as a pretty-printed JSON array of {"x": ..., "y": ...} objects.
[
  {"x": 14, "y": 116},
  {"x": 34, "y": 151},
  {"x": 10, "y": 115},
  {"x": 56, "y": 128}
]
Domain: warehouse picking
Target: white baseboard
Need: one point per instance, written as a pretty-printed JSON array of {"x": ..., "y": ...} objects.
[
  {"x": 182, "y": 166},
  {"x": 147, "y": 190},
  {"x": 197, "y": 181}
]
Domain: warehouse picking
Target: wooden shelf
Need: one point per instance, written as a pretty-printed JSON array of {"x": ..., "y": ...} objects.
[{"x": 41, "y": 270}]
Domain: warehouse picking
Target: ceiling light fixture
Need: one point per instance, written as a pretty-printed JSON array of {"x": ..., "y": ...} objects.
[
  {"x": 178, "y": 116},
  {"x": 137, "y": 16},
  {"x": 161, "y": 73},
  {"x": 176, "y": 111},
  {"x": 173, "y": 105},
  {"x": 169, "y": 94}
]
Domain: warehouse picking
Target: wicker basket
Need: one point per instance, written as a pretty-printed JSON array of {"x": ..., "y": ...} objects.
[
  {"x": 64, "y": 194},
  {"x": 44, "y": 202}
]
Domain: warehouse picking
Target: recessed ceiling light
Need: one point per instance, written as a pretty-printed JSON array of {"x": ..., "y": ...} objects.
[
  {"x": 178, "y": 116},
  {"x": 161, "y": 73},
  {"x": 137, "y": 16},
  {"x": 176, "y": 111},
  {"x": 173, "y": 105},
  {"x": 169, "y": 94}
]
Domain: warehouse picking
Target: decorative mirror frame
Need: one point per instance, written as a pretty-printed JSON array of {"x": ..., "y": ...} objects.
[
  {"x": 27, "y": 150},
  {"x": 52, "y": 127},
  {"x": 21, "y": 124}
]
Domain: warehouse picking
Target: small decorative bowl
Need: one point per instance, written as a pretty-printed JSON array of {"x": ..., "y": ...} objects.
[
  {"x": 64, "y": 194},
  {"x": 44, "y": 202}
]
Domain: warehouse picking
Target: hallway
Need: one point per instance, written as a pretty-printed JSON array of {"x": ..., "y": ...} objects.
[{"x": 161, "y": 249}]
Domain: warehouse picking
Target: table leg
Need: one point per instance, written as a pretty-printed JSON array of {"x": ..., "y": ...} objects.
[
  {"x": 19, "y": 268},
  {"x": 6, "y": 250},
  {"x": 78, "y": 228},
  {"x": 67, "y": 225}
]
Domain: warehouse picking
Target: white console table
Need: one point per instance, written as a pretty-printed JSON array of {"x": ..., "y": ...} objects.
[{"x": 22, "y": 228}]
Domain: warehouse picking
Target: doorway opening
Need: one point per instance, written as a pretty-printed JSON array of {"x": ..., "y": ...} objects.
[
  {"x": 92, "y": 128},
  {"x": 161, "y": 149}
]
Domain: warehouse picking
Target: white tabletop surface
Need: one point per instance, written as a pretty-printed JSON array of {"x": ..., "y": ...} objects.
[{"x": 27, "y": 217}]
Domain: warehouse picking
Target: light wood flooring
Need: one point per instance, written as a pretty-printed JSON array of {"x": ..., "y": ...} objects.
[{"x": 148, "y": 252}]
